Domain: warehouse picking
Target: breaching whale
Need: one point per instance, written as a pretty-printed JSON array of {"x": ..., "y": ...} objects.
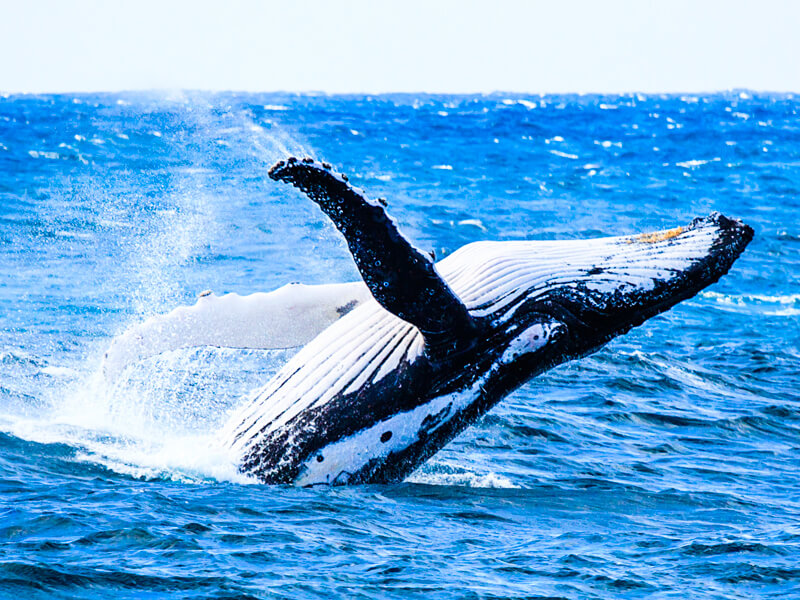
[{"x": 435, "y": 346}]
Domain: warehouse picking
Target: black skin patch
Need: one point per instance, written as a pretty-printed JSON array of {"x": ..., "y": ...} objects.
[
  {"x": 346, "y": 308},
  {"x": 386, "y": 436}
]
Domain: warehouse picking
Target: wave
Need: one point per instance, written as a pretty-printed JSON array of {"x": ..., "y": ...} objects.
[
  {"x": 441, "y": 474},
  {"x": 159, "y": 420},
  {"x": 766, "y": 304}
]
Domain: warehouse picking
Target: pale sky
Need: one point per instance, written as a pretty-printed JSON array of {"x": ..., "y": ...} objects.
[{"x": 358, "y": 46}]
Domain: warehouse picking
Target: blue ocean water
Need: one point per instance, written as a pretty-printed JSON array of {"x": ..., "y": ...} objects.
[{"x": 664, "y": 466}]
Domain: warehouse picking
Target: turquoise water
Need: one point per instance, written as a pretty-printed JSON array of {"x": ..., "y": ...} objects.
[{"x": 664, "y": 466}]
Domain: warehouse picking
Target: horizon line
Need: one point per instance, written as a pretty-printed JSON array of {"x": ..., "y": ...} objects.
[{"x": 312, "y": 92}]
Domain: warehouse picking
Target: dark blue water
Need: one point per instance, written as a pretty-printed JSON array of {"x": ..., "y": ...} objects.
[{"x": 664, "y": 466}]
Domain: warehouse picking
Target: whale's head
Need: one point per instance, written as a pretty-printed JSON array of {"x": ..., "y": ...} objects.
[{"x": 548, "y": 302}]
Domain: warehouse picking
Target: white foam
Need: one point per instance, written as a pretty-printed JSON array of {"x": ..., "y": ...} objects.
[
  {"x": 154, "y": 423},
  {"x": 691, "y": 164},
  {"x": 564, "y": 154},
  {"x": 431, "y": 476},
  {"x": 755, "y": 300},
  {"x": 160, "y": 418}
]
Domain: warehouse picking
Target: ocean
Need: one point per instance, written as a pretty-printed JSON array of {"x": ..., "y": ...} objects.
[{"x": 663, "y": 466}]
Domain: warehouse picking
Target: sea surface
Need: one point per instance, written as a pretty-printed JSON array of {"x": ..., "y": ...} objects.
[{"x": 667, "y": 465}]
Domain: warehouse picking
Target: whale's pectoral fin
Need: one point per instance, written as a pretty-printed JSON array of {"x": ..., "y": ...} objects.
[
  {"x": 288, "y": 317},
  {"x": 401, "y": 278}
]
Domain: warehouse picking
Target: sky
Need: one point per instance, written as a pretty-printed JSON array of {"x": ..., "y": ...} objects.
[{"x": 371, "y": 46}]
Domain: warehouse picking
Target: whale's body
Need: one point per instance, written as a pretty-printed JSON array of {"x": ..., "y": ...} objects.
[{"x": 435, "y": 347}]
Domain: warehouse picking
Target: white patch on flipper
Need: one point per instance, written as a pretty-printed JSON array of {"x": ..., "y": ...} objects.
[{"x": 288, "y": 317}]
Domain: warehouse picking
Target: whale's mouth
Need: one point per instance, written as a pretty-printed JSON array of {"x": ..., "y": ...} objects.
[{"x": 640, "y": 276}]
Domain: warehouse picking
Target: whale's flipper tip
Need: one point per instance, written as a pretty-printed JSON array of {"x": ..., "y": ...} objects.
[{"x": 283, "y": 169}]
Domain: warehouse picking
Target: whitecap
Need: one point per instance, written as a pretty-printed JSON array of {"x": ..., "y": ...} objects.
[
  {"x": 784, "y": 312},
  {"x": 54, "y": 371},
  {"x": 780, "y": 305},
  {"x": 44, "y": 154},
  {"x": 432, "y": 476},
  {"x": 691, "y": 164},
  {"x": 474, "y": 222},
  {"x": 564, "y": 154}
]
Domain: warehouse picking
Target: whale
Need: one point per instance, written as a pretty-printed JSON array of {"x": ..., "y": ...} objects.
[{"x": 435, "y": 345}]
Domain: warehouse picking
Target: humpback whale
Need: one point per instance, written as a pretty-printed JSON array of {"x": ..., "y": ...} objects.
[{"x": 436, "y": 345}]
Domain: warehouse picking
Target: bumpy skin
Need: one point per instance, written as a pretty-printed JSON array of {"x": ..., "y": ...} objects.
[{"x": 471, "y": 358}]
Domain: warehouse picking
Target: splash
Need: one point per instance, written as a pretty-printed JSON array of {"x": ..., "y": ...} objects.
[
  {"x": 160, "y": 417},
  {"x": 445, "y": 474}
]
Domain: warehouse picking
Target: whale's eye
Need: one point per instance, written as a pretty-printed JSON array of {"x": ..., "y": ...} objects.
[
  {"x": 320, "y": 458},
  {"x": 386, "y": 436}
]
